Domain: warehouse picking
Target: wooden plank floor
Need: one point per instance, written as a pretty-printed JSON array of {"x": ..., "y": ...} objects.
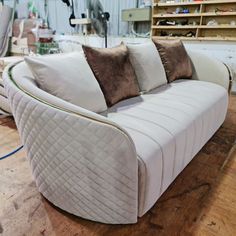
[{"x": 201, "y": 201}]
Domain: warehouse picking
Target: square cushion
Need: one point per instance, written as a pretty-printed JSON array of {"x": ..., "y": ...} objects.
[
  {"x": 175, "y": 59},
  {"x": 69, "y": 77},
  {"x": 114, "y": 72},
  {"x": 147, "y": 65}
]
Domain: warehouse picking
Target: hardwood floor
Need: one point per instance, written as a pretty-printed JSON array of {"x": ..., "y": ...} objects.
[{"x": 201, "y": 201}]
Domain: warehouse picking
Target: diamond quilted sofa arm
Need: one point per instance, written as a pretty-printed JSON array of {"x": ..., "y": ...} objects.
[{"x": 82, "y": 162}]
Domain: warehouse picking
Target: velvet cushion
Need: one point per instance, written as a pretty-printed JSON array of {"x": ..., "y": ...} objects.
[
  {"x": 114, "y": 72},
  {"x": 175, "y": 59}
]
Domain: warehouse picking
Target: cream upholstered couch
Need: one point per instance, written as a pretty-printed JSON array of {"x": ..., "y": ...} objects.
[{"x": 112, "y": 167}]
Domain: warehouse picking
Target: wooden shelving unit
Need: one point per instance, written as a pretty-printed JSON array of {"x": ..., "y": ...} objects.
[
  {"x": 205, "y": 20},
  {"x": 176, "y": 15},
  {"x": 176, "y": 27}
]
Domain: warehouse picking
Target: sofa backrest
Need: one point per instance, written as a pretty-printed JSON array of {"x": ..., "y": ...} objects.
[{"x": 24, "y": 79}]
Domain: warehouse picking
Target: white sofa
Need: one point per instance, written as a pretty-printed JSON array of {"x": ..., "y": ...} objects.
[
  {"x": 113, "y": 167},
  {"x": 4, "y": 106}
]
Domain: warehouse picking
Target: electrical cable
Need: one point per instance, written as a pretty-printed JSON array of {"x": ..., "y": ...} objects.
[{"x": 11, "y": 153}]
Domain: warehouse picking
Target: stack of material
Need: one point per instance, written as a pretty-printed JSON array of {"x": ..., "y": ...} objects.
[
  {"x": 5, "y": 29},
  {"x": 23, "y": 38},
  {"x": 4, "y": 106}
]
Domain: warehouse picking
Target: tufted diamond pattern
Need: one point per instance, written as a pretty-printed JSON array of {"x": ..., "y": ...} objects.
[{"x": 83, "y": 166}]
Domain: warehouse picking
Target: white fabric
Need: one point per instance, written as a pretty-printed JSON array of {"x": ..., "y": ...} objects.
[
  {"x": 25, "y": 80},
  {"x": 4, "y": 105},
  {"x": 5, "y": 28},
  {"x": 209, "y": 69},
  {"x": 69, "y": 46},
  {"x": 169, "y": 126},
  {"x": 2, "y": 91},
  {"x": 147, "y": 65},
  {"x": 69, "y": 77},
  {"x": 4, "y": 61},
  {"x": 86, "y": 163},
  {"x": 81, "y": 162}
]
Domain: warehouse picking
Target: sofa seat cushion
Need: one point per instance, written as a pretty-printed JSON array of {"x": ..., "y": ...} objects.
[{"x": 169, "y": 126}]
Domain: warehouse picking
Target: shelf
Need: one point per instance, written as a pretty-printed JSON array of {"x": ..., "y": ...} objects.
[
  {"x": 194, "y": 15},
  {"x": 223, "y": 31},
  {"x": 219, "y": 14},
  {"x": 217, "y": 27},
  {"x": 217, "y": 38},
  {"x": 175, "y": 27},
  {"x": 168, "y": 37},
  {"x": 218, "y": 2},
  {"x": 197, "y": 38},
  {"x": 194, "y": 27},
  {"x": 193, "y": 3},
  {"x": 177, "y": 4},
  {"x": 176, "y": 15}
]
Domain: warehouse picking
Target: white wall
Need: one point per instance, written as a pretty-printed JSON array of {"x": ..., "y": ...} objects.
[
  {"x": 223, "y": 51},
  {"x": 59, "y": 15}
]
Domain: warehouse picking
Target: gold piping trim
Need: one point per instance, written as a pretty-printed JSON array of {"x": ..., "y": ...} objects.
[{"x": 62, "y": 109}]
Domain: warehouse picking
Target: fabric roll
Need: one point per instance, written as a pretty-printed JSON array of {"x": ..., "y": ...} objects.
[{"x": 5, "y": 28}]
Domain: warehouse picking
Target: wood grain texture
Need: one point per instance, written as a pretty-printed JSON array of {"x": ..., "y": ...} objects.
[{"x": 201, "y": 201}]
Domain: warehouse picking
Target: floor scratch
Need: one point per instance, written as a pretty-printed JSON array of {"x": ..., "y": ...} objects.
[
  {"x": 188, "y": 191},
  {"x": 1, "y": 228},
  {"x": 16, "y": 206},
  {"x": 31, "y": 214}
]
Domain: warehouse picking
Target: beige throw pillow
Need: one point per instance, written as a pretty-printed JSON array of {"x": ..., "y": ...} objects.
[
  {"x": 69, "y": 77},
  {"x": 147, "y": 65}
]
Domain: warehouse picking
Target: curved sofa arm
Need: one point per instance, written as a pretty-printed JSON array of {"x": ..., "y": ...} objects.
[
  {"x": 209, "y": 69},
  {"x": 85, "y": 165}
]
